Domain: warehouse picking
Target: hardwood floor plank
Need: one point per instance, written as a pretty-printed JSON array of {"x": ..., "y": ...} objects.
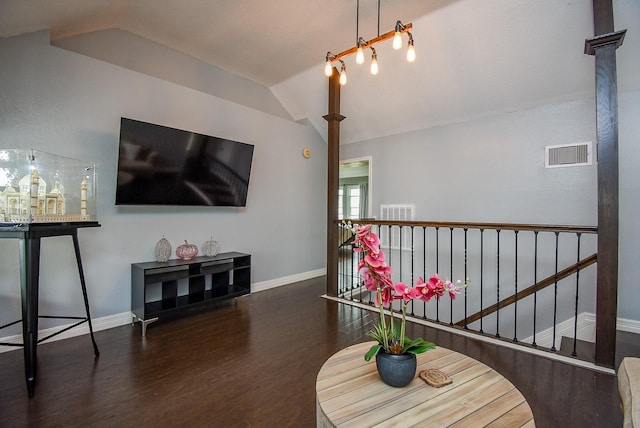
[{"x": 254, "y": 364}]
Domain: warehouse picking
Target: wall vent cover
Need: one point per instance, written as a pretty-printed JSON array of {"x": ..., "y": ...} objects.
[
  {"x": 393, "y": 238},
  {"x": 563, "y": 155}
]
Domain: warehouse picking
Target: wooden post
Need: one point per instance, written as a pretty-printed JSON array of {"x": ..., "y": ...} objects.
[
  {"x": 333, "y": 118},
  {"x": 603, "y": 46}
]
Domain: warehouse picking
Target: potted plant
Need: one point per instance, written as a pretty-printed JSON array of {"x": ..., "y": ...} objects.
[{"x": 393, "y": 348}]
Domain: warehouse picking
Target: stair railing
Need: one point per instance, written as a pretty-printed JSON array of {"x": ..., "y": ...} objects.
[{"x": 532, "y": 285}]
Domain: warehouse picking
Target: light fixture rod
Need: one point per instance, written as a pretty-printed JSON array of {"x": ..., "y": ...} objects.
[
  {"x": 372, "y": 42},
  {"x": 357, "y": 21},
  {"x": 378, "y": 33}
]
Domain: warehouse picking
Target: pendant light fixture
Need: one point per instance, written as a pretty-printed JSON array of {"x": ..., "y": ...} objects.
[{"x": 361, "y": 43}]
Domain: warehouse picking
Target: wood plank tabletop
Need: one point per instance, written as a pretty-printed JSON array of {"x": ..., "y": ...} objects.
[{"x": 350, "y": 393}]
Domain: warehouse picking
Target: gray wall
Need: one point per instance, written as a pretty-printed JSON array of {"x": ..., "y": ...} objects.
[
  {"x": 493, "y": 170},
  {"x": 65, "y": 103},
  {"x": 154, "y": 59}
]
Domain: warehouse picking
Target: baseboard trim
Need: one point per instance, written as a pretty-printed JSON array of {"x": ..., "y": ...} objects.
[
  {"x": 630, "y": 326},
  {"x": 278, "y": 282},
  {"x": 102, "y": 323},
  {"x": 586, "y": 330},
  {"x": 117, "y": 320}
]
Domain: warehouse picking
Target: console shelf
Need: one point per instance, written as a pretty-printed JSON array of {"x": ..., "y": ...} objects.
[{"x": 163, "y": 289}]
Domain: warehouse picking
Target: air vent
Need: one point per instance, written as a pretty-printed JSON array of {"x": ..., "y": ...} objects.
[
  {"x": 568, "y": 155},
  {"x": 403, "y": 212}
]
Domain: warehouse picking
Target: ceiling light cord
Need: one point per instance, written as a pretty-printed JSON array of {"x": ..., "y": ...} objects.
[
  {"x": 378, "y": 18},
  {"x": 357, "y": 22}
]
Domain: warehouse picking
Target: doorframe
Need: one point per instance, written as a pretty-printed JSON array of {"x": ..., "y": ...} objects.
[{"x": 369, "y": 160}]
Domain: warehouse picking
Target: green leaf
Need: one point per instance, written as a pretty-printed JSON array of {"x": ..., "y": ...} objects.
[
  {"x": 418, "y": 346},
  {"x": 372, "y": 352},
  {"x": 378, "y": 334}
]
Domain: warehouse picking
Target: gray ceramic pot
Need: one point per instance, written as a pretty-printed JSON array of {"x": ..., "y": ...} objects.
[{"x": 396, "y": 370}]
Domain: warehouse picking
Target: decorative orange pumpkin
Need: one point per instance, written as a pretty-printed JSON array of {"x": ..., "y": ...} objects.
[{"x": 187, "y": 251}]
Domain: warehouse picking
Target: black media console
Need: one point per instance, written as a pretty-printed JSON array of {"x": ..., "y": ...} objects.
[{"x": 159, "y": 289}]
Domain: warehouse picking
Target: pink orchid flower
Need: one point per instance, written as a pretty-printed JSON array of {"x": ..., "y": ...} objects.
[
  {"x": 374, "y": 259},
  {"x": 385, "y": 293},
  {"x": 404, "y": 292},
  {"x": 368, "y": 279}
]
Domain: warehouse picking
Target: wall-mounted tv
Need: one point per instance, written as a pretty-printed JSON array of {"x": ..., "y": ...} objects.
[{"x": 158, "y": 165}]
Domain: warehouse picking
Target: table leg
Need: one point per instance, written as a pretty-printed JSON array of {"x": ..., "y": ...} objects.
[
  {"x": 29, "y": 272},
  {"x": 76, "y": 246}
]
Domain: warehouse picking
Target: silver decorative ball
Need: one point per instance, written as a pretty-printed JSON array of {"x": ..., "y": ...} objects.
[
  {"x": 163, "y": 250},
  {"x": 210, "y": 248}
]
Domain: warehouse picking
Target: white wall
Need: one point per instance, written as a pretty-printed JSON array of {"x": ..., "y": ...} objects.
[
  {"x": 492, "y": 170},
  {"x": 69, "y": 104}
]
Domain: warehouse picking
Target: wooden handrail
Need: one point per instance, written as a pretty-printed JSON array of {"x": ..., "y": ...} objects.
[
  {"x": 481, "y": 226},
  {"x": 530, "y": 290}
]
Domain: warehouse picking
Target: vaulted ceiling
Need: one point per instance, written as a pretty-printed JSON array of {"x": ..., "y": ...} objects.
[{"x": 474, "y": 57}]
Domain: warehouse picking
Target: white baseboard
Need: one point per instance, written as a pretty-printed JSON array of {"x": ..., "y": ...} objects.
[
  {"x": 273, "y": 283},
  {"x": 102, "y": 323},
  {"x": 586, "y": 330},
  {"x": 630, "y": 326},
  {"x": 123, "y": 318}
]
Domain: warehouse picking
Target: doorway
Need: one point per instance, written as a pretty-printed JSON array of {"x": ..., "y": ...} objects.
[{"x": 354, "y": 189}]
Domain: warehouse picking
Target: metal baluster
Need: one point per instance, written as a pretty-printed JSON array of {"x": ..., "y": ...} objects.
[
  {"x": 400, "y": 251},
  {"x": 412, "y": 257},
  {"x": 515, "y": 304},
  {"x": 437, "y": 269},
  {"x": 575, "y": 317},
  {"x": 424, "y": 266},
  {"x": 465, "y": 279},
  {"x": 535, "y": 286},
  {"x": 498, "y": 283},
  {"x": 481, "y": 277},
  {"x": 451, "y": 270},
  {"x": 555, "y": 297}
]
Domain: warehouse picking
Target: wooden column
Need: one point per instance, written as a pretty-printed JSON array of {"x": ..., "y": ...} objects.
[
  {"x": 603, "y": 46},
  {"x": 333, "y": 118}
]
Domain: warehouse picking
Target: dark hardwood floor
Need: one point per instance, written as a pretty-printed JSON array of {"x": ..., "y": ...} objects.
[{"x": 253, "y": 364}]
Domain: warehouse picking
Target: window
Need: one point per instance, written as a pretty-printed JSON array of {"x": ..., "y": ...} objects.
[
  {"x": 353, "y": 193},
  {"x": 349, "y": 201}
]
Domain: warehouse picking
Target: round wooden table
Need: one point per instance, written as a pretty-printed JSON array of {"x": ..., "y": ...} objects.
[{"x": 349, "y": 392}]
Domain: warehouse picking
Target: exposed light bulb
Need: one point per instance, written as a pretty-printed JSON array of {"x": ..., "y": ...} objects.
[
  {"x": 411, "y": 52},
  {"x": 328, "y": 68},
  {"x": 359, "y": 55},
  {"x": 374, "y": 64},
  {"x": 343, "y": 75},
  {"x": 397, "y": 40}
]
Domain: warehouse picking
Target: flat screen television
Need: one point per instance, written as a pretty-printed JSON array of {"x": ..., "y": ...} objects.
[{"x": 158, "y": 165}]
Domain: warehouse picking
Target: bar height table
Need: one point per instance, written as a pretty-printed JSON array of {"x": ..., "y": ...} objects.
[{"x": 30, "y": 235}]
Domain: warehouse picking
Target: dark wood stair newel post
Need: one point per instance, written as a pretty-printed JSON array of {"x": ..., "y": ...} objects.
[
  {"x": 603, "y": 46},
  {"x": 333, "y": 119}
]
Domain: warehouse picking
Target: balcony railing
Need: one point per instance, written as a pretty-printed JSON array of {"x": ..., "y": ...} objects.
[{"x": 531, "y": 285}]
